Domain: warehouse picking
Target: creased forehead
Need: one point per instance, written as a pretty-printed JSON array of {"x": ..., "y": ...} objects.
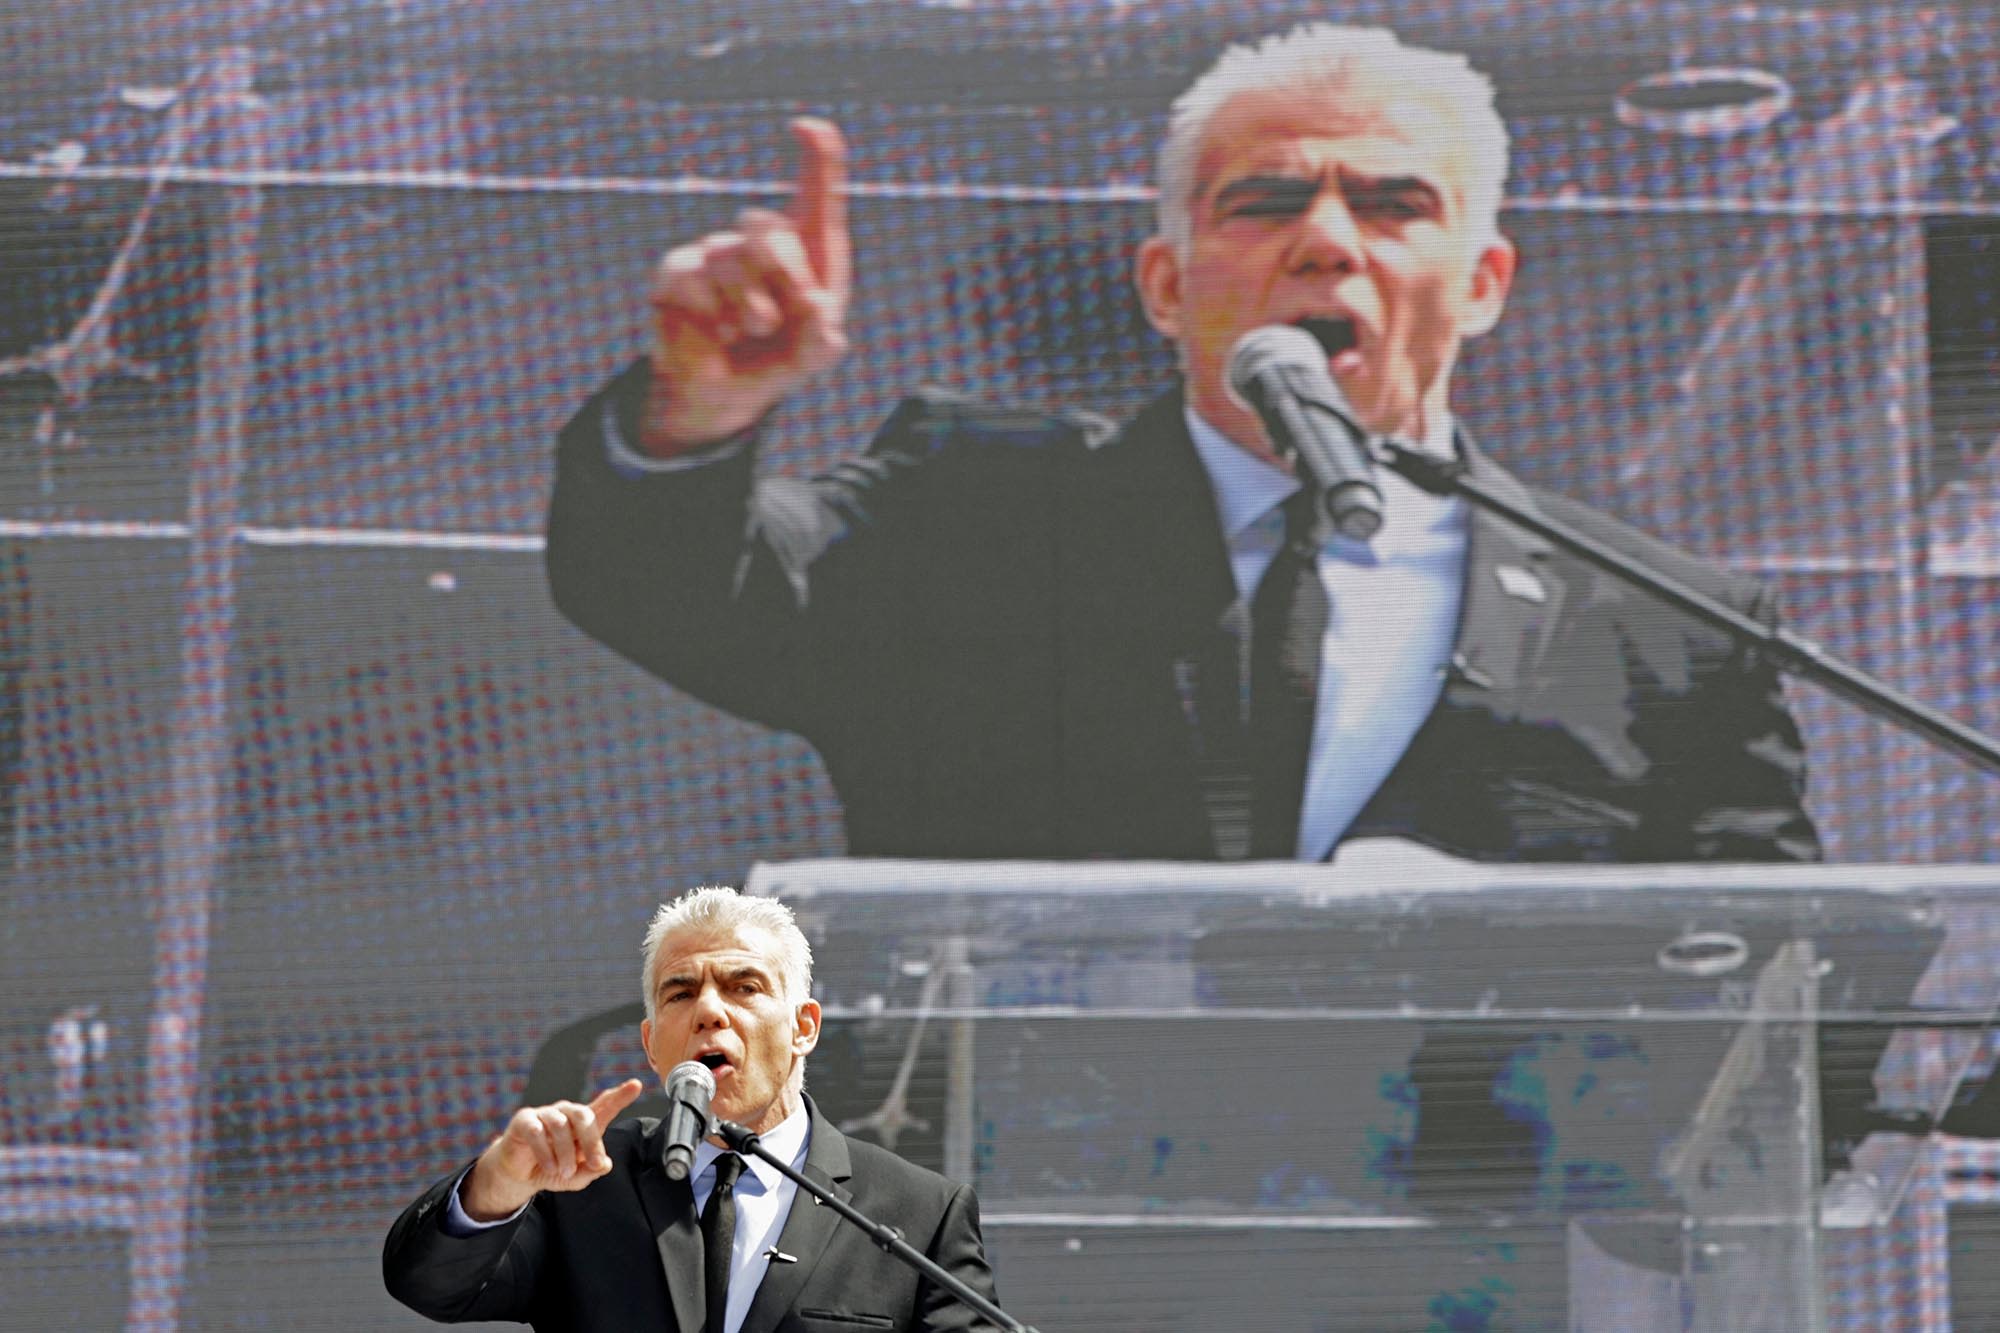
[
  {"x": 739, "y": 944},
  {"x": 1259, "y": 132}
]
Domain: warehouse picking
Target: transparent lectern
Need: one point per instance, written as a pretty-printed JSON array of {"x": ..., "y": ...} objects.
[{"x": 1400, "y": 1091}]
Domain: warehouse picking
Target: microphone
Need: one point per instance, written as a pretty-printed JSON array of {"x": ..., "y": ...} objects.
[
  {"x": 1280, "y": 372},
  {"x": 690, "y": 1088}
]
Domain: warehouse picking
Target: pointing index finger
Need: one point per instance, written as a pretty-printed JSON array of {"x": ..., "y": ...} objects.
[
  {"x": 606, "y": 1105},
  {"x": 820, "y": 208}
]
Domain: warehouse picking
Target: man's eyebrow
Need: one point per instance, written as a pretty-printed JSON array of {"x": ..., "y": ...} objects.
[
  {"x": 1266, "y": 185},
  {"x": 1281, "y": 188},
  {"x": 751, "y": 970},
  {"x": 1390, "y": 185}
]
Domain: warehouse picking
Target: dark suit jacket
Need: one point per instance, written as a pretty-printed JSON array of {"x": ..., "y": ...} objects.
[
  {"x": 624, "y": 1254},
  {"x": 994, "y": 626}
]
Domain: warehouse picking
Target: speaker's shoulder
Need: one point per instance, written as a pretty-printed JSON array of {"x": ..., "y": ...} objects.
[
  {"x": 884, "y": 1169},
  {"x": 1744, "y": 591}
]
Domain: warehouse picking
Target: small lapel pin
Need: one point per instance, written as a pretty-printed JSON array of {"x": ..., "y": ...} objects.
[
  {"x": 1518, "y": 582},
  {"x": 778, "y": 1256}
]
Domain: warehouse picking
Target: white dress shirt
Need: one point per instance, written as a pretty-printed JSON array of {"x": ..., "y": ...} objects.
[
  {"x": 763, "y": 1202},
  {"x": 1393, "y": 620}
]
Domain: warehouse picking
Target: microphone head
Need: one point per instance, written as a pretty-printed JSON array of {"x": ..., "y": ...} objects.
[
  {"x": 690, "y": 1081},
  {"x": 690, "y": 1088},
  {"x": 1279, "y": 369},
  {"x": 1272, "y": 347}
]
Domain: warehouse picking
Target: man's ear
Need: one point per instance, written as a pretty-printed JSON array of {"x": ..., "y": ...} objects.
[
  {"x": 1156, "y": 272},
  {"x": 1492, "y": 278},
  {"x": 646, "y": 1040},
  {"x": 805, "y": 1027}
]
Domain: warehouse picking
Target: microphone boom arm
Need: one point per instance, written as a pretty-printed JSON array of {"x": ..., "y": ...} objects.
[{"x": 1792, "y": 653}]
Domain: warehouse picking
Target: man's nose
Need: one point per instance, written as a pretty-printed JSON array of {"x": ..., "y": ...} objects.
[
  {"x": 1328, "y": 239},
  {"x": 709, "y": 1011}
]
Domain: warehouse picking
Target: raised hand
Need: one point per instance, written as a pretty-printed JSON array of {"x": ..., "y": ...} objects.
[
  {"x": 745, "y": 316},
  {"x": 555, "y": 1147}
]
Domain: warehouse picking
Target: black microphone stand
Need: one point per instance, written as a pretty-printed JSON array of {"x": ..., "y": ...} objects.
[
  {"x": 886, "y": 1237},
  {"x": 1799, "y": 656}
]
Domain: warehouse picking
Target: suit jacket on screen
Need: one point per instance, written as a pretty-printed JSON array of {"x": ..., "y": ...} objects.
[
  {"x": 625, "y": 1253},
  {"x": 994, "y": 626}
]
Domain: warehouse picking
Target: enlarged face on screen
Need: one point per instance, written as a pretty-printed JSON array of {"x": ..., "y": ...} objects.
[
  {"x": 1324, "y": 211},
  {"x": 719, "y": 998}
]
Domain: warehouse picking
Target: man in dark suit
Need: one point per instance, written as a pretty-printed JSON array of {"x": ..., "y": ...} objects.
[
  {"x": 1011, "y": 634},
  {"x": 568, "y": 1221}
]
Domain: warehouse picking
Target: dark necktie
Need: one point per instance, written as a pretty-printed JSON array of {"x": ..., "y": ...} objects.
[
  {"x": 1288, "y": 620},
  {"x": 718, "y": 1239}
]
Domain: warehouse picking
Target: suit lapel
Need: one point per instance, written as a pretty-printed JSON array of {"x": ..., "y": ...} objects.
[
  {"x": 676, "y": 1231},
  {"x": 808, "y": 1227},
  {"x": 1149, "y": 495},
  {"x": 1144, "y": 580},
  {"x": 1514, "y": 593}
]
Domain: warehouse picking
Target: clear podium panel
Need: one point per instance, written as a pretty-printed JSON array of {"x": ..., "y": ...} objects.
[{"x": 1600, "y": 1097}]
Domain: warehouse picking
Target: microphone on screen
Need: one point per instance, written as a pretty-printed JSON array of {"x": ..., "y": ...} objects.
[{"x": 1280, "y": 372}]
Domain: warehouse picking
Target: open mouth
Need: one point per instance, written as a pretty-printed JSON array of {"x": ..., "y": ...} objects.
[
  {"x": 716, "y": 1061},
  {"x": 1335, "y": 335}
]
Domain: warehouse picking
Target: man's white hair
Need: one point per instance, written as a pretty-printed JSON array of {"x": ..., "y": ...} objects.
[
  {"x": 721, "y": 908},
  {"x": 1370, "y": 66}
]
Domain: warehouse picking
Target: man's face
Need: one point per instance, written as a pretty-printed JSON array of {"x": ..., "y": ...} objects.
[
  {"x": 718, "y": 998},
  {"x": 1349, "y": 221}
]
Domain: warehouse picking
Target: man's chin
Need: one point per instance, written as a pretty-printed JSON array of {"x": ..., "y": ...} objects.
[
  {"x": 738, "y": 1114},
  {"x": 1376, "y": 412}
]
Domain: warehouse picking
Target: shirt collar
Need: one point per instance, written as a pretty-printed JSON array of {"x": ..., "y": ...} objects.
[
  {"x": 787, "y": 1143},
  {"x": 1248, "y": 487}
]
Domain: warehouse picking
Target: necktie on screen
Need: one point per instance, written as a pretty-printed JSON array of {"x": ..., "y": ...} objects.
[
  {"x": 1288, "y": 621},
  {"x": 718, "y": 1239}
]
